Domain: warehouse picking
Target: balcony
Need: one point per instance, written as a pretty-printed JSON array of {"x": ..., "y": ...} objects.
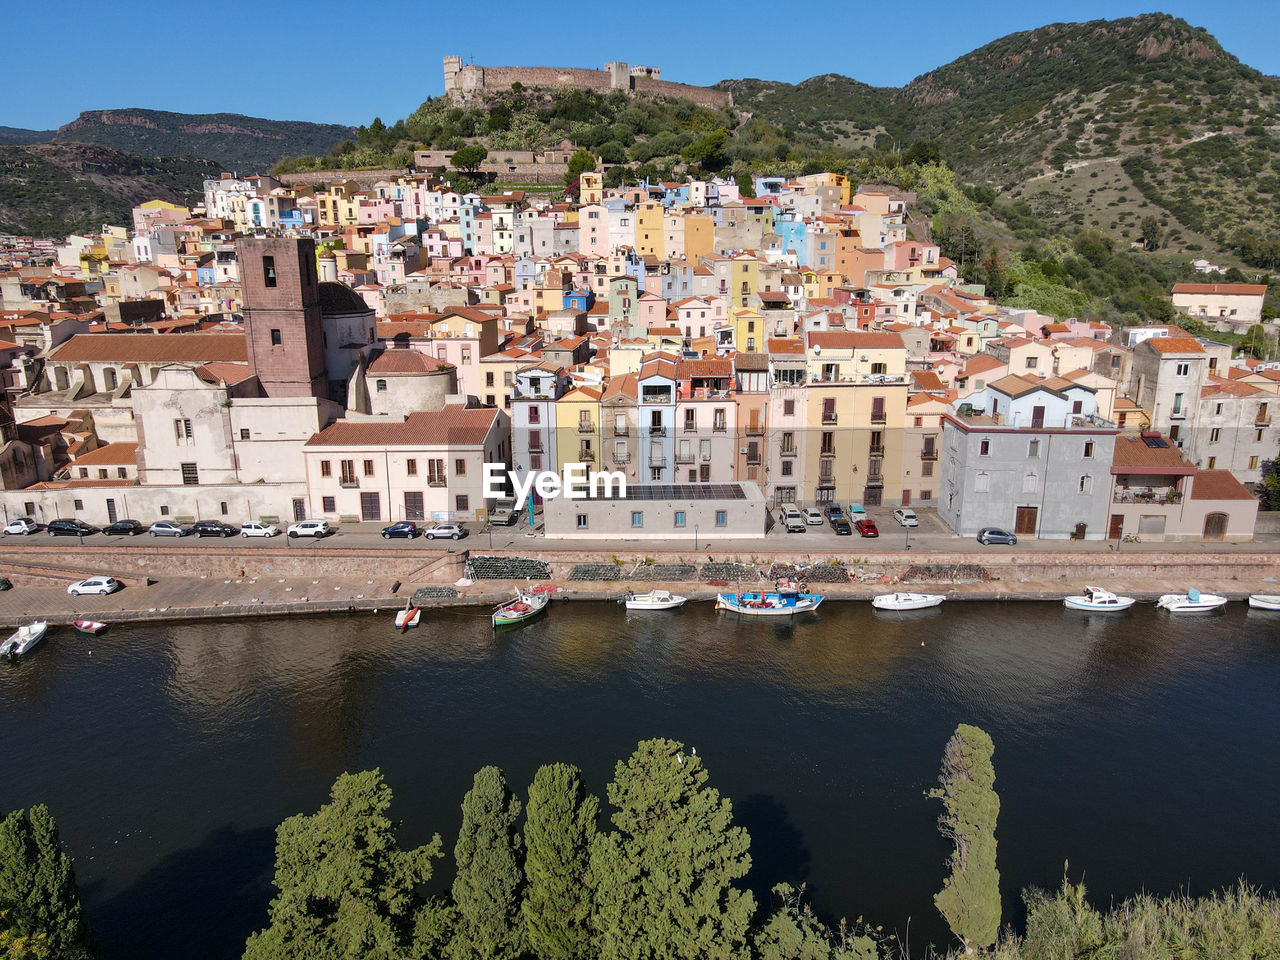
[
  {"x": 585, "y": 427},
  {"x": 755, "y": 430},
  {"x": 877, "y": 450},
  {"x": 684, "y": 456},
  {"x": 828, "y": 454},
  {"x": 435, "y": 481},
  {"x": 690, "y": 428},
  {"x": 1147, "y": 495},
  {"x": 349, "y": 483},
  {"x": 787, "y": 452},
  {"x": 719, "y": 428},
  {"x": 621, "y": 458},
  {"x": 878, "y": 416},
  {"x": 586, "y": 455},
  {"x": 829, "y": 418},
  {"x": 928, "y": 454},
  {"x": 621, "y": 430},
  {"x": 535, "y": 446},
  {"x": 1262, "y": 420},
  {"x": 658, "y": 462},
  {"x": 752, "y": 458},
  {"x": 655, "y": 431}
]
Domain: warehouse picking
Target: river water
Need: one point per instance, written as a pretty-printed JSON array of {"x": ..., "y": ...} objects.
[{"x": 1142, "y": 748}]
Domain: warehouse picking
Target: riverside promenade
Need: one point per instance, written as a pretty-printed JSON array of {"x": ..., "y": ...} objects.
[{"x": 224, "y": 580}]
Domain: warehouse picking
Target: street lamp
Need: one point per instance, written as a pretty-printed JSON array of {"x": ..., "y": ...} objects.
[
  {"x": 907, "y": 527},
  {"x": 695, "y": 538}
]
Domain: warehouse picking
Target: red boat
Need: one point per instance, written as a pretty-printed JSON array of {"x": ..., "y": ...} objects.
[{"x": 89, "y": 626}]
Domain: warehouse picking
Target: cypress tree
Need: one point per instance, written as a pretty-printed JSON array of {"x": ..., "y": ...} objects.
[
  {"x": 664, "y": 880},
  {"x": 970, "y": 897},
  {"x": 38, "y": 893},
  {"x": 347, "y": 889},
  {"x": 487, "y": 889},
  {"x": 560, "y": 824}
]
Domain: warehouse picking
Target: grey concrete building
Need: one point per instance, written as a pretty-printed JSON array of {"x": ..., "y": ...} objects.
[{"x": 662, "y": 512}]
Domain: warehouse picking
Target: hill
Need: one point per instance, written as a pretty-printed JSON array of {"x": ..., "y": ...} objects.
[
  {"x": 235, "y": 142},
  {"x": 52, "y": 189},
  {"x": 21, "y": 135}
]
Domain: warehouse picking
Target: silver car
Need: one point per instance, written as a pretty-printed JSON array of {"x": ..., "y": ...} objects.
[
  {"x": 167, "y": 528},
  {"x": 439, "y": 531}
]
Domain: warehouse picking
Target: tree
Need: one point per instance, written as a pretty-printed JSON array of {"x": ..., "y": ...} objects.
[
  {"x": 746, "y": 186},
  {"x": 1152, "y": 235},
  {"x": 664, "y": 879},
  {"x": 581, "y": 162},
  {"x": 560, "y": 825},
  {"x": 347, "y": 889},
  {"x": 468, "y": 158},
  {"x": 1257, "y": 342},
  {"x": 970, "y": 897},
  {"x": 487, "y": 889},
  {"x": 708, "y": 151},
  {"x": 38, "y": 891}
]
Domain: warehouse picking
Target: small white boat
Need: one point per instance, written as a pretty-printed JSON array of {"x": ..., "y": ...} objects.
[
  {"x": 790, "y": 598},
  {"x": 1097, "y": 600},
  {"x": 907, "y": 601},
  {"x": 525, "y": 606},
  {"x": 408, "y": 617},
  {"x": 23, "y": 639},
  {"x": 1264, "y": 601},
  {"x": 653, "y": 600},
  {"x": 1193, "y": 601}
]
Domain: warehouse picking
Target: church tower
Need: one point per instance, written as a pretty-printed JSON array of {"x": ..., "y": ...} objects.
[{"x": 284, "y": 332}]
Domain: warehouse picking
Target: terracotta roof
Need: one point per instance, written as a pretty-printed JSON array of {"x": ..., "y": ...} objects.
[
  {"x": 1233, "y": 388},
  {"x": 1016, "y": 386},
  {"x": 779, "y": 345},
  {"x": 1218, "y": 485},
  {"x": 455, "y": 425},
  {"x": 1173, "y": 345},
  {"x": 704, "y": 368},
  {"x": 110, "y": 455},
  {"x": 151, "y": 348},
  {"x": 623, "y": 386},
  {"x": 405, "y": 362},
  {"x": 1132, "y": 455},
  {"x": 927, "y": 380},
  {"x": 1223, "y": 289},
  {"x": 849, "y": 340},
  {"x": 228, "y": 373}
]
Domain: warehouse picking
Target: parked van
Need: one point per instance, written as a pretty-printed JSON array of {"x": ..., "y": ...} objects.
[
  {"x": 505, "y": 513},
  {"x": 793, "y": 519}
]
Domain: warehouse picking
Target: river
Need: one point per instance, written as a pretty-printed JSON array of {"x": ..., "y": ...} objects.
[{"x": 1140, "y": 747}]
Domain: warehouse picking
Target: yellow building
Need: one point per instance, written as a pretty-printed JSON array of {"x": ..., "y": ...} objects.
[
  {"x": 748, "y": 329},
  {"x": 699, "y": 236},
  {"x": 649, "y": 229},
  {"x": 591, "y": 188},
  {"x": 744, "y": 279},
  {"x": 578, "y": 428}
]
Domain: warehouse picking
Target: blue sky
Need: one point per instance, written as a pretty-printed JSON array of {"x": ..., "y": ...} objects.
[{"x": 310, "y": 61}]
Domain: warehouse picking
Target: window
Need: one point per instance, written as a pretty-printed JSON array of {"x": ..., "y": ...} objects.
[
  {"x": 190, "y": 475},
  {"x": 1257, "y": 436},
  {"x": 718, "y": 423},
  {"x": 275, "y": 338},
  {"x": 182, "y": 431},
  {"x": 347, "y": 469},
  {"x": 164, "y": 510},
  {"x": 919, "y": 422},
  {"x": 1253, "y": 463},
  {"x": 382, "y": 386},
  {"x": 1174, "y": 432},
  {"x": 325, "y": 469},
  {"x": 1029, "y": 482},
  {"x": 459, "y": 468},
  {"x": 488, "y": 378},
  {"x": 637, "y": 518},
  {"x": 435, "y": 472},
  {"x": 1214, "y": 435},
  {"x": 1033, "y": 448},
  {"x": 722, "y": 518},
  {"x": 1032, "y": 362},
  {"x": 466, "y": 356},
  {"x": 1177, "y": 404},
  {"x": 78, "y": 504},
  {"x": 689, "y": 425},
  {"x": 788, "y": 408},
  {"x": 984, "y": 448},
  {"x": 122, "y": 473},
  {"x": 411, "y": 467},
  {"x": 462, "y": 503},
  {"x": 368, "y": 468},
  {"x": 582, "y": 521},
  {"x": 535, "y": 415},
  {"x": 788, "y": 442},
  {"x": 1184, "y": 369},
  {"x": 786, "y": 467},
  {"x": 1213, "y": 462},
  {"x": 926, "y": 494},
  {"x": 244, "y": 433},
  {"x": 109, "y": 375},
  {"x": 269, "y": 271},
  {"x": 1088, "y": 449},
  {"x": 679, "y": 518},
  {"x": 328, "y": 505},
  {"x": 1086, "y": 484},
  {"x": 926, "y": 468},
  {"x": 84, "y": 473}
]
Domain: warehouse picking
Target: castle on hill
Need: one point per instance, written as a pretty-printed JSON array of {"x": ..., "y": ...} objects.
[{"x": 469, "y": 83}]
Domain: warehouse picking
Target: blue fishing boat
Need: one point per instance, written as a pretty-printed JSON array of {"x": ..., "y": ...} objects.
[{"x": 787, "y": 599}]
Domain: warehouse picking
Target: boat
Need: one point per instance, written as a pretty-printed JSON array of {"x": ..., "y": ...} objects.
[
  {"x": 89, "y": 626},
  {"x": 1193, "y": 601},
  {"x": 1097, "y": 600},
  {"x": 525, "y": 606},
  {"x": 788, "y": 599},
  {"x": 907, "y": 601},
  {"x": 408, "y": 617},
  {"x": 1264, "y": 601},
  {"x": 23, "y": 639},
  {"x": 653, "y": 600}
]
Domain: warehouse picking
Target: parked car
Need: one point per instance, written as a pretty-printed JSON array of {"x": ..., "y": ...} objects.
[
  {"x": 309, "y": 528},
  {"x": 167, "y": 528},
  {"x": 812, "y": 516},
  {"x": 793, "y": 519},
  {"x": 404, "y": 528},
  {"x": 255, "y": 529},
  {"x": 906, "y": 517},
  {"x": 866, "y": 528},
  {"x": 20, "y": 527},
  {"x": 857, "y": 510},
  {"x": 504, "y": 513},
  {"x": 438, "y": 531},
  {"x": 213, "y": 528},
  {"x": 124, "y": 528},
  {"x": 99, "y": 585},
  {"x": 996, "y": 535},
  {"x": 69, "y": 528},
  {"x": 836, "y": 517}
]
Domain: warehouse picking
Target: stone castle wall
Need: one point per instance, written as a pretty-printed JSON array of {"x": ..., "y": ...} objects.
[
  {"x": 702, "y": 96},
  {"x": 468, "y": 83}
]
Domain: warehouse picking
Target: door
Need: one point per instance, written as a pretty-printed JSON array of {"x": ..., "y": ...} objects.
[
  {"x": 413, "y": 507},
  {"x": 299, "y": 509},
  {"x": 906, "y": 498},
  {"x": 1215, "y": 526},
  {"x": 1117, "y": 526},
  {"x": 1037, "y": 417},
  {"x": 872, "y": 496},
  {"x": 1026, "y": 521},
  {"x": 370, "y": 506},
  {"x": 111, "y": 511}
]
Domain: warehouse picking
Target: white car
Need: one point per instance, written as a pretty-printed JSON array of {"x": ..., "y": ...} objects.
[
  {"x": 813, "y": 516},
  {"x": 99, "y": 585},
  {"x": 309, "y": 528},
  {"x": 255, "y": 529},
  {"x": 906, "y": 517},
  {"x": 22, "y": 526},
  {"x": 451, "y": 530}
]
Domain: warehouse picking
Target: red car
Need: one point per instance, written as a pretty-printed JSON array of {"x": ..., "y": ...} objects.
[{"x": 867, "y": 528}]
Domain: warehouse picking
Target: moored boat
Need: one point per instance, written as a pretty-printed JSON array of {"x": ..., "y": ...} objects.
[
  {"x": 907, "y": 601},
  {"x": 653, "y": 600},
  {"x": 23, "y": 639},
  {"x": 788, "y": 599},
  {"x": 1097, "y": 600},
  {"x": 524, "y": 606},
  {"x": 1264, "y": 601},
  {"x": 89, "y": 626},
  {"x": 1193, "y": 601}
]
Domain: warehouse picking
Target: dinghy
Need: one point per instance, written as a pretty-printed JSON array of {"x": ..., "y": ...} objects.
[
  {"x": 1193, "y": 601},
  {"x": 93, "y": 627},
  {"x": 1264, "y": 601}
]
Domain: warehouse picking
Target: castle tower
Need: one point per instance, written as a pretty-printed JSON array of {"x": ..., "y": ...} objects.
[
  {"x": 284, "y": 333},
  {"x": 452, "y": 67},
  {"x": 619, "y": 75}
]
